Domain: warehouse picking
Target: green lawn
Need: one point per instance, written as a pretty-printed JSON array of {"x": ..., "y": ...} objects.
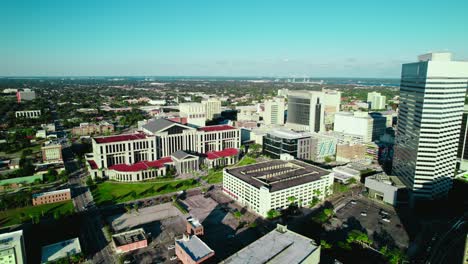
[
  {"x": 19, "y": 215},
  {"x": 214, "y": 176},
  {"x": 108, "y": 193},
  {"x": 246, "y": 160}
]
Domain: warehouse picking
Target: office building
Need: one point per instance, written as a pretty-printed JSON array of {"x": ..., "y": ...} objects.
[
  {"x": 194, "y": 112},
  {"x": 51, "y": 152},
  {"x": 370, "y": 126},
  {"x": 322, "y": 146},
  {"x": 274, "y": 111},
  {"x": 306, "y": 111},
  {"x": 432, "y": 96},
  {"x": 376, "y": 100},
  {"x": 25, "y": 95},
  {"x": 268, "y": 185},
  {"x": 63, "y": 249},
  {"x": 192, "y": 250},
  {"x": 280, "y": 245},
  {"x": 462, "y": 154},
  {"x": 12, "y": 250},
  {"x": 212, "y": 108},
  {"x": 51, "y": 197},
  {"x": 283, "y": 141}
]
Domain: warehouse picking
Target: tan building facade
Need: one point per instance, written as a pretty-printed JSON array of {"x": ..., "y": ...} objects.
[{"x": 51, "y": 197}]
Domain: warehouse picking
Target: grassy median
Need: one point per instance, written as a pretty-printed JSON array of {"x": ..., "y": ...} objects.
[{"x": 108, "y": 193}]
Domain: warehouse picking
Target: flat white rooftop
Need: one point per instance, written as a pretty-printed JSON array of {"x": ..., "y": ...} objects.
[
  {"x": 277, "y": 247},
  {"x": 60, "y": 250}
]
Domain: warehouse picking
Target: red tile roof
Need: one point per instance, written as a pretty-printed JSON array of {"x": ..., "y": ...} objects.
[
  {"x": 92, "y": 164},
  {"x": 221, "y": 154},
  {"x": 119, "y": 138},
  {"x": 216, "y": 128},
  {"x": 142, "y": 165}
]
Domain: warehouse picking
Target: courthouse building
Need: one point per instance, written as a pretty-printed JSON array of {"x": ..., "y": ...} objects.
[{"x": 161, "y": 143}]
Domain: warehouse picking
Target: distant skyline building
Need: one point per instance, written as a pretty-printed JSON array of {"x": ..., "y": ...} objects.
[
  {"x": 376, "y": 100},
  {"x": 432, "y": 96},
  {"x": 306, "y": 111},
  {"x": 212, "y": 108},
  {"x": 274, "y": 111},
  {"x": 25, "y": 95}
]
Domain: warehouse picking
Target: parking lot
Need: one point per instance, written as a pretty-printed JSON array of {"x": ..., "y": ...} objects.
[
  {"x": 126, "y": 221},
  {"x": 380, "y": 221}
]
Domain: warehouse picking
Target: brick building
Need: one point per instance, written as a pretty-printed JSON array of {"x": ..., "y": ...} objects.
[
  {"x": 130, "y": 240},
  {"x": 51, "y": 197}
]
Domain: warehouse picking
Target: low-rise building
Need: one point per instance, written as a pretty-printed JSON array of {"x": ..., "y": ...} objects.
[
  {"x": 384, "y": 188},
  {"x": 130, "y": 240},
  {"x": 270, "y": 185},
  {"x": 87, "y": 129},
  {"x": 60, "y": 250},
  {"x": 51, "y": 152},
  {"x": 51, "y": 197},
  {"x": 194, "y": 227},
  {"x": 278, "y": 246},
  {"x": 12, "y": 248},
  {"x": 28, "y": 114},
  {"x": 192, "y": 250}
]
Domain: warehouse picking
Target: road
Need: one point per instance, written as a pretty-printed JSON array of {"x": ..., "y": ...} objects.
[{"x": 92, "y": 236}]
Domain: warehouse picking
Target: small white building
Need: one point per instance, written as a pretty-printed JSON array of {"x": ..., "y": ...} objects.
[
  {"x": 212, "y": 108},
  {"x": 376, "y": 100},
  {"x": 28, "y": 114}
]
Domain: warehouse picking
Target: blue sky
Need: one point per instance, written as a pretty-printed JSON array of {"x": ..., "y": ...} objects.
[{"x": 226, "y": 38}]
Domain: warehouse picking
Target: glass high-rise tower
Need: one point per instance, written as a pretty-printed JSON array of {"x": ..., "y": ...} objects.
[{"x": 432, "y": 96}]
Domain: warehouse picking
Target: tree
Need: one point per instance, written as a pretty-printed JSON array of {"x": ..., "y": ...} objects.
[
  {"x": 325, "y": 244},
  {"x": 328, "y": 159},
  {"x": 292, "y": 199},
  {"x": 356, "y": 236},
  {"x": 273, "y": 214}
]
